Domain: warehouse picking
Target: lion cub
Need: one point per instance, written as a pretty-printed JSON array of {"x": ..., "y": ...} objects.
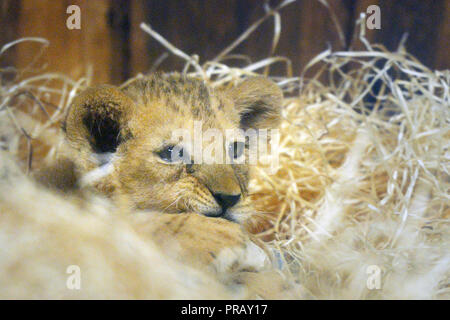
[{"x": 121, "y": 145}]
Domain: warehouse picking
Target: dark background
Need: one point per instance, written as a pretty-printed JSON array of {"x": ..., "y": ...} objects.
[{"x": 112, "y": 42}]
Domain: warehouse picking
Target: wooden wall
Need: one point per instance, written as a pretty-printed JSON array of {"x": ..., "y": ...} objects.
[{"x": 111, "y": 42}]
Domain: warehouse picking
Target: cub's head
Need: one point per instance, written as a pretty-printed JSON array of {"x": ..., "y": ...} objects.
[{"x": 141, "y": 142}]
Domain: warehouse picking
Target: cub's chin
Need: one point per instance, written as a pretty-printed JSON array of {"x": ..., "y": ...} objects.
[{"x": 227, "y": 216}]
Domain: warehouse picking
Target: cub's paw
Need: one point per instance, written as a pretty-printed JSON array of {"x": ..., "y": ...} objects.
[
  {"x": 246, "y": 258},
  {"x": 216, "y": 244}
]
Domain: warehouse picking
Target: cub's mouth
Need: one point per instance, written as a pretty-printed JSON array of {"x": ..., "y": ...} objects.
[{"x": 229, "y": 217}]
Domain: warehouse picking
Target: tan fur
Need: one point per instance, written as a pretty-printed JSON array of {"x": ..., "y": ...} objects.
[
  {"x": 42, "y": 234},
  {"x": 144, "y": 188},
  {"x": 143, "y": 255},
  {"x": 147, "y": 112}
]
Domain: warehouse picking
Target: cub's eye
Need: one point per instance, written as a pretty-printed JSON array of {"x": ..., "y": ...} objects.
[
  {"x": 171, "y": 154},
  {"x": 236, "y": 149}
]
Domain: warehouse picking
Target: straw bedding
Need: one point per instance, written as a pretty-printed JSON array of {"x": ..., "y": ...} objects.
[{"x": 362, "y": 185}]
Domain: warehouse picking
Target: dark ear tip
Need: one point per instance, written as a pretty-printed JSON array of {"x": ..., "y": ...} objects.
[
  {"x": 97, "y": 116},
  {"x": 259, "y": 101},
  {"x": 104, "y": 100}
]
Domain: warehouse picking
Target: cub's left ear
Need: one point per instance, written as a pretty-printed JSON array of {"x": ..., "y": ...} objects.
[{"x": 258, "y": 102}]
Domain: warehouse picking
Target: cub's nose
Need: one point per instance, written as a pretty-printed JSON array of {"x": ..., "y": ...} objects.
[{"x": 226, "y": 200}]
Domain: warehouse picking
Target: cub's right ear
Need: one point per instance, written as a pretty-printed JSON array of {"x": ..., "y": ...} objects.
[
  {"x": 97, "y": 120},
  {"x": 258, "y": 101}
]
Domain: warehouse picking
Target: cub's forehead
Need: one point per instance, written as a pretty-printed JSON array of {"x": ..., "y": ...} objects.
[{"x": 175, "y": 97}]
